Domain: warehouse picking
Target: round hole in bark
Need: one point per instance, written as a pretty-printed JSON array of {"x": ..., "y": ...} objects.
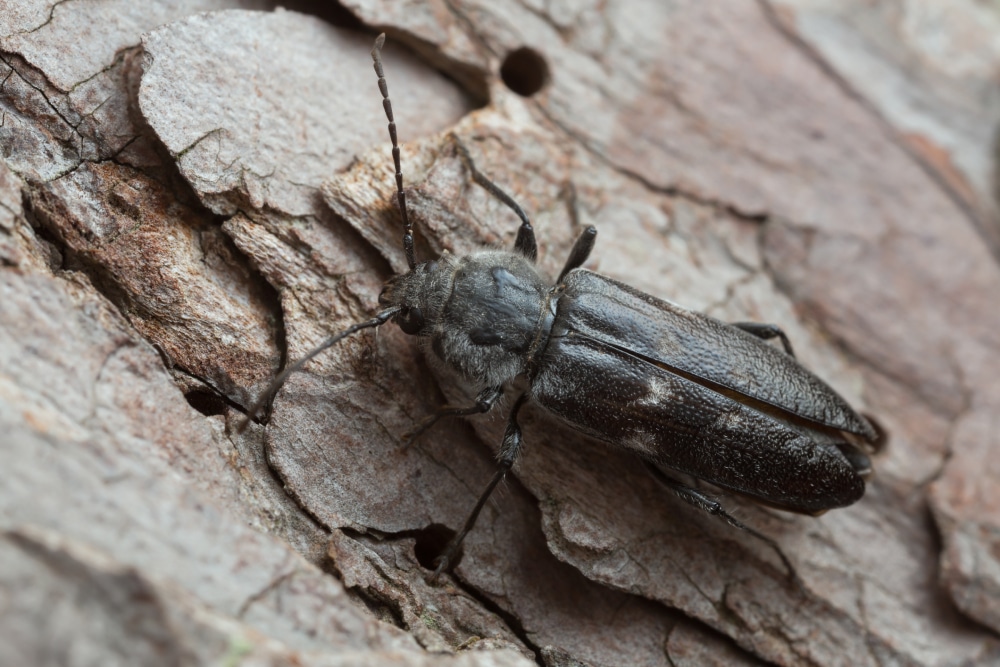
[
  {"x": 431, "y": 542},
  {"x": 524, "y": 71},
  {"x": 205, "y": 402}
]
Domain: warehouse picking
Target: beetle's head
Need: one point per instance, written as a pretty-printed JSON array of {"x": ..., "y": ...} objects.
[
  {"x": 481, "y": 312},
  {"x": 420, "y": 294}
]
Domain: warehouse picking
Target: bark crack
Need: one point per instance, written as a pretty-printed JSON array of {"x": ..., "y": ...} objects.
[
  {"x": 48, "y": 20},
  {"x": 670, "y": 191},
  {"x": 4, "y": 58}
]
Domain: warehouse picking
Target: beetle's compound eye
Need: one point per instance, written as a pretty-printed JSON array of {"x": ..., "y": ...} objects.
[{"x": 411, "y": 321}]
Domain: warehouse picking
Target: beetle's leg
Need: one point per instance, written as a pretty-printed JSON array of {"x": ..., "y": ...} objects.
[
  {"x": 706, "y": 503},
  {"x": 485, "y": 401},
  {"x": 766, "y": 332},
  {"x": 525, "y": 242},
  {"x": 509, "y": 450},
  {"x": 580, "y": 252}
]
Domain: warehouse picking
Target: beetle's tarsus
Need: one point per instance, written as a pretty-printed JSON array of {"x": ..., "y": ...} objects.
[
  {"x": 423, "y": 425},
  {"x": 732, "y": 521},
  {"x": 766, "y": 331},
  {"x": 703, "y": 502},
  {"x": 441, "y": 564},
  {"x": 509, "y": 451},
  {"x": 485, "y": 401},
  {"x": 525, "y": 242}
]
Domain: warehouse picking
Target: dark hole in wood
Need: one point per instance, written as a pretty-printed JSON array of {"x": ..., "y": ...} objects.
[
  {"x": 524, "y": 71},
  {"x": 431, "y": 542},
  {"x": 206, "y": 402},
  {"x": 333, "y": 13}
]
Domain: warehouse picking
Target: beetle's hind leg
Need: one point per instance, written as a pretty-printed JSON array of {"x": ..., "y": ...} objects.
[
  {"x": 766, "y": 332},
  {"x": 509, "y": 451},
  {"x": 704, "y": 502},
  {"x": 485, "y": 401}
]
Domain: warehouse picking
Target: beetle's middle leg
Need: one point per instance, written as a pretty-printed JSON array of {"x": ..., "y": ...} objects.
[
  {"x": 509, "y": 451},
  {"x": 704, "y": 502},
  {"x": 766, "y": 332},
  {"x": 485, "y": 401}
]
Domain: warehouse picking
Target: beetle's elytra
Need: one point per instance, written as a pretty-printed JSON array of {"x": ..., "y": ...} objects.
[{"x": 687, "y": 393}]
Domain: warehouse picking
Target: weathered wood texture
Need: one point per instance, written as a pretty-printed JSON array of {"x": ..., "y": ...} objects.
[{"x": 190, "y": 199}]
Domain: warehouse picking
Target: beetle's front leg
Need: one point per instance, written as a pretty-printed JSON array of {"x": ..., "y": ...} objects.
[
  {"x": 525, "y": 242},
  {"x": 485, "y": 401},
  {"x": 766, "y": 332},
  {"x": 704, "y": 502},
  {"x": 580, "y": 252},
  {"x": 509, "y": 450}
]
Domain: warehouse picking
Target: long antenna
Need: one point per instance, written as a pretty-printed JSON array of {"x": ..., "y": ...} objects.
[{"x": 400, "y": 195}]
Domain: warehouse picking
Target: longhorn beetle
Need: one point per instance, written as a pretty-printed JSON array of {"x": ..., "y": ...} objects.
[{"x": 686, "y": 392}]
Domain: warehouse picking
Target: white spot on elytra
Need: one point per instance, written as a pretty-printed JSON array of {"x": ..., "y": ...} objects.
[{"x": 658, "y": 392}]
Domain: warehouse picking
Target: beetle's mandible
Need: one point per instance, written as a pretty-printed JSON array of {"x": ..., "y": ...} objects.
[{"x": 686, "y": 392}]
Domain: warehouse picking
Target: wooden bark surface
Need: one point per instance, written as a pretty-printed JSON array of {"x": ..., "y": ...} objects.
[{"x": 189, "y": 200}]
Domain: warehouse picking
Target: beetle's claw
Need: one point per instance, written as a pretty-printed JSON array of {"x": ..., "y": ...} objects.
[
  {"x": 442, "y": 562},
  {"x": 414, "y": 433},
  {"x": 242, "y": 424},
  {"x": 408, "y": 438},
  {"x": 411, "y": 436}
]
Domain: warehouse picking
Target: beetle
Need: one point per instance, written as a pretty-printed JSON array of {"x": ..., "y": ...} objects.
[{"x": 687, "y": 393}]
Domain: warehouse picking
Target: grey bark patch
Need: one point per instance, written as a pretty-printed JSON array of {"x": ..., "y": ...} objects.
[{"x": 259, "y": 108}]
